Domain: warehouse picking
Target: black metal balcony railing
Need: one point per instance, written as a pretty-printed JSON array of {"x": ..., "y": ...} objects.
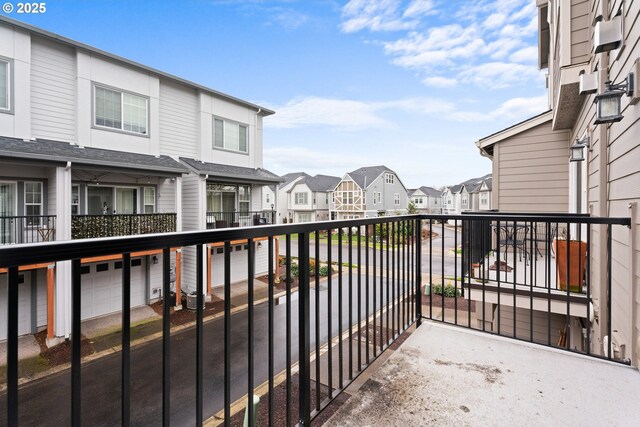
[
  {"x": 93, "y": 226},
  {"x": 239, "y": 219},
  {"x": 336, "y": 327},
  {"x": 27, "y": 229}
]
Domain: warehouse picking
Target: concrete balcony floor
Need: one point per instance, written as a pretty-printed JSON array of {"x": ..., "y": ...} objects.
[{"x": 444, "y": 375}]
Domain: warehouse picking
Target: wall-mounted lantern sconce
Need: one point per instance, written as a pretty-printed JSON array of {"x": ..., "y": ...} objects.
[
  {"x": 608, "y": 105},
  {"x": 577, "y": 149},
  {"x": 155, "y": 259}
]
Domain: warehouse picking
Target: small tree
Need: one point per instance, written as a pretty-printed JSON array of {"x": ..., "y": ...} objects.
[{"x": 411, "y": 209}]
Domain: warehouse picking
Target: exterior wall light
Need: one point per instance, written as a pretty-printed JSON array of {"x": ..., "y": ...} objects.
[
  {"x": 577, "y": 149},
  {"x": 608, "y": 105}
]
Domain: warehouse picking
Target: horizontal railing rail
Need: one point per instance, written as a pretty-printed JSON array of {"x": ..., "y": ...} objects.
[
  {"x": 27, "y": 229},
  {"x": 239, "y": 219},
  {"x": 338, "y": 306},
  {"x": 93, "y": 226}
]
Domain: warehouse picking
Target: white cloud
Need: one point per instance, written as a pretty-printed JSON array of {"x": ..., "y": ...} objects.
[
  {"x": 382, "y": 15},
  {"x": 335, "y": 113},
  {"x": 301, "y": 158},
  {"x": 419, "y": 8},
  {"x": 490, "y": 50},
  {"x": 498, "y": 75},
  {"x": 440, "y": 81},
  {"x": 346, "y": 114},
  {"x": 527, "y": 54},
  {"x": 495, "y": 20},
  {"x": 515, "y": 108}
]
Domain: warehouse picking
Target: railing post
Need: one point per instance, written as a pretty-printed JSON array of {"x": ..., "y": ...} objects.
[
  {"x": 418, "y": 252},
  {"x": 304, "y": 331}
]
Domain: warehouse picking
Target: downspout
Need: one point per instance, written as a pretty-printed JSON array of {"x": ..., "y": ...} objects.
[
  {"x": 603, "y": 137},
  {"x": 633, "y": 306}
]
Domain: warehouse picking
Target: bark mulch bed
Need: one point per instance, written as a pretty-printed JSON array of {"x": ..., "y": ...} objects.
[
  {"x": 61, "y": 353},
  {"x": 279, "y": 405},
  {"x": 180, "y": 317}
]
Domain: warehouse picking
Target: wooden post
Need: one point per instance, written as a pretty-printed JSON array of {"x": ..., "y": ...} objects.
[
  {"x": 50, "y": 305},
  {"x": 277, "y": 269},
  {"x": 208, "y": 270},
  {"x": 178, "y": 277}
]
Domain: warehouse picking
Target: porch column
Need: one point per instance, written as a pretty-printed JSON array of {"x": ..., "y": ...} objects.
[
  {"x": 50, "y": 300},
  {"x": 62, "y": 289},
  {"x": 178, "y": 189},
  {"x": 178, "y": 277}
]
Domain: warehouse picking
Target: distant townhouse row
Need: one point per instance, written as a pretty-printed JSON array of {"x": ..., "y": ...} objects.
[
  {"x": 95, "y": 145},
  {"x": 366, "y": 192}
]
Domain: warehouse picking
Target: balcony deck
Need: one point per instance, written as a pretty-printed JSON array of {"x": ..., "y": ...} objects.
[{"x": 443, "y": 375}]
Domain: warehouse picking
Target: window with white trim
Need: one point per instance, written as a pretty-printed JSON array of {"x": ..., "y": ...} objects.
[
  {"x": 396, "y": 198},
  {"x": 33, "y": 201},
  {"x": 230, "y": 135},
  {"x": 244, "y": 198},
  {"x": 5, "y": 85},
  {"x": 484, "y": 199},
  {"x": 120, "y": 110},
  {"x": 377, "y": 197},
  {"x": 333, "y": 196},
  {"x": 305, "y": 217},
  {"x": 267, "y": 198},
  {"x": 301, "y": 198},
  {"x": 388, "y": 178},
  {"x": 149, "y": 200},
  {"x": 75, "y": 199}
]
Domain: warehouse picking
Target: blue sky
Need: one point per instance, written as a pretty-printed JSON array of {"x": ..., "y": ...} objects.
[{"x": 410, "y": 84}]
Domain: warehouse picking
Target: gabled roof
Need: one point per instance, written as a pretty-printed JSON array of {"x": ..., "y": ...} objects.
[
  {"x": 63, "y": 152},
  {"x": 232, "y": 173},
  {"x": 290, "y": 177},
  {"x": 365, "y": 176},
  {"x": 320, "y": 182},
  {"x": 64, "y": 40},
  {"x": 430, "y": 191}
]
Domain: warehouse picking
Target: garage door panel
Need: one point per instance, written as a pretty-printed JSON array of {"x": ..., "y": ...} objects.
[
  {"x": 104, "y": 289},
  {"x": 24, "y": 304}
]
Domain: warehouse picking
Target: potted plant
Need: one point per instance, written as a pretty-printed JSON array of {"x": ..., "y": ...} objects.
[{"x": 573, "y": 259}]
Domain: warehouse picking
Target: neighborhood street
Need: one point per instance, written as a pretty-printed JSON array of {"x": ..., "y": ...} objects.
[
  {"x": 439, "y": 256},
  {"x": 49, "y": 398}
]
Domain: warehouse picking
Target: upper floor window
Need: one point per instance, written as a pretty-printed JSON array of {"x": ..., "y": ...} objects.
[
  {"x": 229, "y": 135},
  {"x": 464, "y": 199},
  {"x": 301, "y": 198},
  {"x": 268, "y": 198},
  {"x": 396, "y": 198},
  {"x": 333, "y": 196},
  {"x": 5, "y": 85},
  {"x": 121, "y": 110},
  {"x": 388, "y": 178}
]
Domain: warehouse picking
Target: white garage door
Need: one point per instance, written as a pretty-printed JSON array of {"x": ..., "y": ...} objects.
[
  {"x": 24, "y": 304},
  {"x": 102, "y": 287}
]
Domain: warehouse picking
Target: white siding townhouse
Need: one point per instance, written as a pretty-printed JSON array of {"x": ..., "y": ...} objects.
[
  {"x": 368, "y": 192},
  {"x": 308, "y": 198},
  {"x": 288, "y": 181},
  {"x": 95, "y": 145},
  {"x": 427, "y": 200}
]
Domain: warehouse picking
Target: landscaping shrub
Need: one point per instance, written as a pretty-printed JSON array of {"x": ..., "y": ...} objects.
[
  {"x": 324, "y": 270},
  {"x": 449, "y": 291}
]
